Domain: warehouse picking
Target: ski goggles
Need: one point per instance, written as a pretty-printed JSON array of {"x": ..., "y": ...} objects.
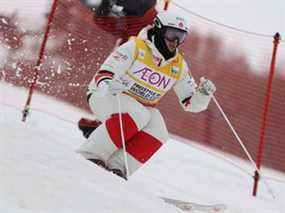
[{"x": 173, "y": 34}]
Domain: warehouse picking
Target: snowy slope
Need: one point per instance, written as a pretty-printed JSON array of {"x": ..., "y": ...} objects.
[{"x": 41, "y": 172}]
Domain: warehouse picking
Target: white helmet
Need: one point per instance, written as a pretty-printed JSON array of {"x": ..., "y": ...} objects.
[{"x": 168, "y": 19}]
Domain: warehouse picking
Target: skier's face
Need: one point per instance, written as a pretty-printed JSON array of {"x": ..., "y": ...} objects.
[
  {"x": 171, "y": 45},
  {"x": 173, "y": 37},
  {"x": 172, "y": 34}
]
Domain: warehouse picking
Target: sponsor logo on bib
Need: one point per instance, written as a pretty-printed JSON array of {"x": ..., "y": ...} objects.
[{"x": 155, "y": 79}]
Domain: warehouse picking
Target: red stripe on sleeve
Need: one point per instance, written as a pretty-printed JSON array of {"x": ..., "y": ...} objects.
[{"x": 103, "y": 74}]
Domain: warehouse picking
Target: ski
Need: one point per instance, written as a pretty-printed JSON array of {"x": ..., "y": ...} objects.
[{"x": 194, "y": 207}]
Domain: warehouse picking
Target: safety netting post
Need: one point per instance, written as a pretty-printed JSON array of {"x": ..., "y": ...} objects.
[
  {"x": 166, "y": 4},
  {"x": 264, "y": 116},
  {"x": 39, "y": 61}
]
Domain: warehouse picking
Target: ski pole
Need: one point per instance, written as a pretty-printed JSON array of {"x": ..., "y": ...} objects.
[
  {"x": 122, "y": 136},
  {"x": 242, "y": 145}
]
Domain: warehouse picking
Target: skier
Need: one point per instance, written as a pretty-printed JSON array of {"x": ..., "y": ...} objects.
[{"x": 138, "y": 74}]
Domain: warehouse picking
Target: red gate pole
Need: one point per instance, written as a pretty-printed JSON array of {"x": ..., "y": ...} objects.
[
  {"x": 39, "y": 61},
  {"x": 166, "y": 4},
  {"x": 276, "y": 41}
]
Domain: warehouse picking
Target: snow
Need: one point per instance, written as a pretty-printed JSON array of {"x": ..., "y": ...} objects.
[
  {"x": 26, "y": 11},
  {"x": 40, "y": 170},
  {"x": 3, "y": 54},
  {"x": 264, "y": 17}
]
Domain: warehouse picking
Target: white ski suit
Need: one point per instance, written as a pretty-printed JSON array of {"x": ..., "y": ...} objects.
[{"x": 147, "y": 76}]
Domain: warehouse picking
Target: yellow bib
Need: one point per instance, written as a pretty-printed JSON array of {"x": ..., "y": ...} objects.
[{"x": 150, "y": 82}]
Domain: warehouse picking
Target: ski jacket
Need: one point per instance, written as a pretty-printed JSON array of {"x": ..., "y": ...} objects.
[{"x": 148, "y": 76}]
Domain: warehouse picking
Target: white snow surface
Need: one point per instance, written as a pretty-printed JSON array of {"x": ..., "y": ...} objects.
[
  {"x": 3, "y": 55},
  {"x": 40, "y": 170},
  {"x": 30, "y": 13}
]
